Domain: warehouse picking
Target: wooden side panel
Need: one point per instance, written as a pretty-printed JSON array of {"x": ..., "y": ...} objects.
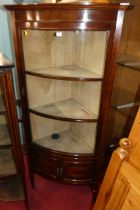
[
  {"x": 109, "y": 179},
  {"x": 134, "y": 137},
  {"x": 121, "y": 185},
  {"x": 132, "y": 201},
  {"x": 119, "y": 193},
  {"x": 127, "y": 183}
]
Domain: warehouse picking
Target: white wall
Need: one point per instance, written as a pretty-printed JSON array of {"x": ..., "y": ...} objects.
[{"x": 5, "y": 44}]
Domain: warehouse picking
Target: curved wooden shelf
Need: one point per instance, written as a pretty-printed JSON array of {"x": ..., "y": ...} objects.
[
  {"x": 129, "y": 61},
  {"x": 56, "y": 152},
  {"x": 66, "y": 143},
  {"x": 67, "y": 72},
  {"x": 65, "y": 110}
]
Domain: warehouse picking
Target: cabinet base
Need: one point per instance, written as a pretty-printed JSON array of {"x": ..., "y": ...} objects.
[{"x": 75, "y": 169}]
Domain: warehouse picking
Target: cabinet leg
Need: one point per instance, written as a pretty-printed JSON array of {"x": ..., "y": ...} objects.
[
  {"x": 26, "y": 201},
  {"x": 27, "y": 204},
  {"x": 94, "y": 196},
  {"x": 32, "y": 181},
  {"x": 94, "y": 191}
]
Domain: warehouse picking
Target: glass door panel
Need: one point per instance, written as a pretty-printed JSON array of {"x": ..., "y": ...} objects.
[
  {"x": 4, "y": 133},
  {"x": 2, "y": 107},
  {"x": 7, "y": 164},
  {"x": 66, "y": 68}
]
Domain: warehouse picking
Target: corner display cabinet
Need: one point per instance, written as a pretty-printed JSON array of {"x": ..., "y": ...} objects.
[
  {"x": 12, "y": 186},
  {"x": 66, "y": 56}
]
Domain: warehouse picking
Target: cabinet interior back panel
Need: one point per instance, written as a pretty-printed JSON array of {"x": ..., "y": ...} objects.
[
  {"x": 90, "y": 50},
  {"x": 73, "y": 137},
  {"x": 42, "y": 127},
  {"x": 88, "y": 94},
  {"x": 79, "y": 49},
  {"x": 47, "y": 90}
]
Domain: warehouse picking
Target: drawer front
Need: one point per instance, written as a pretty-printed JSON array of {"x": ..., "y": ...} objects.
[
  {"x": 45, "y": 163},
  {"x": 77, "y": 171},
  {"x": 63, "y": 168}
]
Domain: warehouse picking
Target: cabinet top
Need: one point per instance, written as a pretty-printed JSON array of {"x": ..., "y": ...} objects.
[
  {"x": 4, "y": 61},
  {"x": 112, "y": 4}
]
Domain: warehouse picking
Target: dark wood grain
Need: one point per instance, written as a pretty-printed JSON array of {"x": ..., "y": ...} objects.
[
  {"x": 82, "y": 4},
  {"x": 62, "y": 118}
]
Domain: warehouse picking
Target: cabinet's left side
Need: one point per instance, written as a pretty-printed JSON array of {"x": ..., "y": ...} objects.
[{"x": 12, "y": 182}]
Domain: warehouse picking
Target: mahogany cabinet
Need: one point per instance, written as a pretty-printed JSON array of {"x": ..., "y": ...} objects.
[
  {"x": 66, "y": 57},
  {"x": 12, "y": 186}
]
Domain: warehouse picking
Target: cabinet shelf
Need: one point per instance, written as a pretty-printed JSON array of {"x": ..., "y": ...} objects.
[
  {"x": 66, "y": 72},
  {"x": 7, "y": 165},
  {"x": 124, "y": 101},
  {"x": 66, "y": 110},
  {"x": 129, "y": 61},
  {"x": 4, "y": 136},
  {"x": 67, "y": 142},
  {"x": 120, "y": 98}
]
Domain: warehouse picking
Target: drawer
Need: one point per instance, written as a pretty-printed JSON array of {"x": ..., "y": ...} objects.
[
  {"x": 45, "y": 163},
  {"x": 77, "y": 171}
]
